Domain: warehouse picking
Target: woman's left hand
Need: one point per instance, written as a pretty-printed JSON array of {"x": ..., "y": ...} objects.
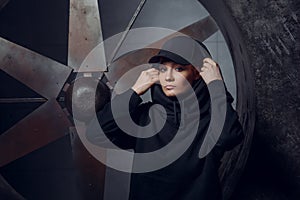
[{"x": 210, "y": 71}]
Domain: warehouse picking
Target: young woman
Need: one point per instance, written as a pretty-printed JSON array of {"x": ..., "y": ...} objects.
[{"x": 182, "y": 90}]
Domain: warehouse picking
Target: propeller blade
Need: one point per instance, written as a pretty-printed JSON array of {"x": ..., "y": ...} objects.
[
  {"x": 41, "y": 74},
  {"x": 84, "y": 35},
  {"x": 44, "y": 125}
]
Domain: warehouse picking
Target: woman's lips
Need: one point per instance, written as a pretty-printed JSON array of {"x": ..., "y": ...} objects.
[{"x": 170, "y": 87}]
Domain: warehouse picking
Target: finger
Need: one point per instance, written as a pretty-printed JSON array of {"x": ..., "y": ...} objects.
[
  {"x": 153, "y": 73},
  {"x": 151, "y": 70},
  {"x": 146, "y": 72},
  {"x": 154, "y": 66},
  {"x": 210, "y": 61},
  {"x": 202, "y": 74},
  {"x": 203, "y": 68},
  {"x": 207, "y": 66},
  {"x": 155, "y": 79}
]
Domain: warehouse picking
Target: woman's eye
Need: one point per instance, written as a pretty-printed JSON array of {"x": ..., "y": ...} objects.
[
  {"x": 179, "y": 69},
  {"x": 162, "y": 69}
]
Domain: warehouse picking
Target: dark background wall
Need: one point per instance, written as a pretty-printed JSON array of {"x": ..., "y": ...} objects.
[{"x": 271, "y": 31}]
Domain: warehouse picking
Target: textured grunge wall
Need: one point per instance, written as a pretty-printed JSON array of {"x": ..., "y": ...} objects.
[{"x": 271, "y": 31}]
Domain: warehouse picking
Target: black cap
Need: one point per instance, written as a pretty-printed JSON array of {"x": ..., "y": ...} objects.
[{"x": 182, "y": 50}]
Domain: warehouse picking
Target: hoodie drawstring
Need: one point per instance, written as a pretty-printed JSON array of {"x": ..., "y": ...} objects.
[
  {"x": 175, "y": 112},
  {"x": 176, "y": 118}
]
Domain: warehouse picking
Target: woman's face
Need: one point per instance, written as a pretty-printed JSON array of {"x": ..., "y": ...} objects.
[{"x": 175, "y": 79}]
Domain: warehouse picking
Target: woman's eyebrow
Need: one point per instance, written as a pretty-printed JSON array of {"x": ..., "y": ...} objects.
[{"x": 178, "y": 65}]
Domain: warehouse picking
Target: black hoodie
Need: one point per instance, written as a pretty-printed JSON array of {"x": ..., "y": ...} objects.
[{"x": 187, "y": 177}]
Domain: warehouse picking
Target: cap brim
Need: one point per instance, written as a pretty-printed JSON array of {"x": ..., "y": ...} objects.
[{"x": 169, "y": 55}]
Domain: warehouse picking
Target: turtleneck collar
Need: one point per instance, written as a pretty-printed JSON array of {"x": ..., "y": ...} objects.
[{"x": 172, "y": 105}]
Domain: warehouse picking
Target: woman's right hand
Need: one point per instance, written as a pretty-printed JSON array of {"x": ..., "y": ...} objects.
[
  {"x": 210, "y": 71},
  {"x": 146, "y": 79}
]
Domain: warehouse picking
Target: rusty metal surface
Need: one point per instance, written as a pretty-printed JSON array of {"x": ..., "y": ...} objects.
[
  {"x": 200, "y": 30},
  {"x": 38, "y": 72},
  {"x": 44, "y": 125},
  {"x": 84, "y": 33}
]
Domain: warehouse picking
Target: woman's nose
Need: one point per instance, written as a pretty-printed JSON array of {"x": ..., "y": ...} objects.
[{"x": 169, "y": 75}]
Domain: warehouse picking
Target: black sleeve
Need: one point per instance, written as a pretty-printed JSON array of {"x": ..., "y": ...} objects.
[
  {"x": 106, "y": 120},
  {"x": 232, "y": 132}
]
